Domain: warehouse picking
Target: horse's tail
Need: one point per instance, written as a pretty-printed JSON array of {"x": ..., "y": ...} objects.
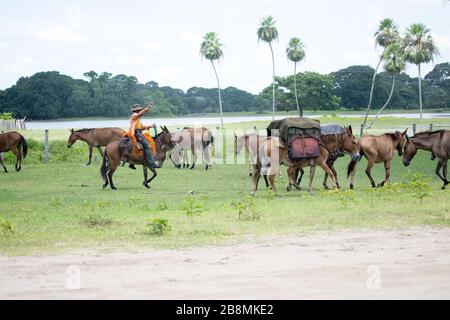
[
  {"x": 103, "y": 168},
  {"x": 23, "y": 143},
  {"x": 209, "y": 140},
  {"x": 351, "y": 167}
]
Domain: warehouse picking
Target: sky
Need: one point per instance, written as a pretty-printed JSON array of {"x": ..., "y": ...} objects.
[{"x": 160, "y": 40}]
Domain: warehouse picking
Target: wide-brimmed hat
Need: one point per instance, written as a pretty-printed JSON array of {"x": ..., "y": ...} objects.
[{"x": 136, "y": 108}]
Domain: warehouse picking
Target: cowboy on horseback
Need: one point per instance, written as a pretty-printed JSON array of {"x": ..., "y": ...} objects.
[{"x": 136, "y": 130}]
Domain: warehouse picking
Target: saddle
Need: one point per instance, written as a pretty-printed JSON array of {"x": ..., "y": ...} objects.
[{"x": 130, "y": 147}]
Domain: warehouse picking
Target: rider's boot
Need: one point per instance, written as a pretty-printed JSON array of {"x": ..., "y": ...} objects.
[{"x": 149, "y": 158}]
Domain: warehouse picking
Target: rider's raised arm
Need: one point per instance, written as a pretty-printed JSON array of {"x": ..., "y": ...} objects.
[{"x": 135, "y": 116}]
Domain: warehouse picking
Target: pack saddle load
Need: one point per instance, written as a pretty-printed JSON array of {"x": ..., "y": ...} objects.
[{"x": 301, "y": 136}]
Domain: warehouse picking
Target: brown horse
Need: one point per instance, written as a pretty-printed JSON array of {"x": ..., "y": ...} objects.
[
  {"x": 437, "y": 142},
  {"x": 377, "y": 149},
  {"x": 251, "y": 142},
  {"x": 113, "y": 155},
  {"x": 16, "y": 143},
  {"x": 344, "y": 142},
  {"x": 96, "y": 137},
  {"x": 194, "y": 139},
  {"x": 273, "y": 152}
]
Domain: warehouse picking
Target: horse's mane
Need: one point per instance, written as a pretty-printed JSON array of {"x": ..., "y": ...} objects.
[
  {"x": 393, "y": 135},
  {"x": 427, "y": 133},
  {"x": 84, "y": 130}
]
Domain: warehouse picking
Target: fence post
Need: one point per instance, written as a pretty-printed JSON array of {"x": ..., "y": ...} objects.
[
  {"x": 361, "y": 130},
  {"x": 46, "y": 145},
  {"x": 414, "y": 128},
  {"x": 1, "y": 153},
  {"x": 431, "y": 127}
]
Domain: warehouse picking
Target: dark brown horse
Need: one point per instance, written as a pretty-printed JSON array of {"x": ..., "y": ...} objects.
[
  {"x": 377, "y": 149},
  {"x": 96, "y": 137},
  {"x": 437, "y": 142},
  {"x": 113, "y": 155},
  {"x": 16, "y": 143},
  {"x": 336, "y": 143}
]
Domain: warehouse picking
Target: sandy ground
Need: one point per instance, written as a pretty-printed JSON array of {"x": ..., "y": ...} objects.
[{"x": 409, "y": 263}]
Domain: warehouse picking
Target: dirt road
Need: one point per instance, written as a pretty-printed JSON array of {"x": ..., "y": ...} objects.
[{"x": 409, "y": 263}]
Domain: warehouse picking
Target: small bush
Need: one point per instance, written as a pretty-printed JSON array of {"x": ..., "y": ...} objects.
[
  {"x": 158, "y": 226},
  {"x": 94, "y": 220},
  {"x": 191, "y": 207},
  {"x": 6, "y": 227},
  {"x": 246, "y": 209}
]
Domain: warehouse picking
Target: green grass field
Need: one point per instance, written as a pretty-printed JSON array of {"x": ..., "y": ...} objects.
[{"x": 61, "y": 206}]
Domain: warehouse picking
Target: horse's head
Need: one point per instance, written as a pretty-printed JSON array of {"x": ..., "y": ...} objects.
[
  {"x": 409, "y": 151},
  {"x": 349, "y": 143},
  {"x": 72, "y": 138},
  {"x": 165, "y": 138},
  {"x": 401, "y": 141}
]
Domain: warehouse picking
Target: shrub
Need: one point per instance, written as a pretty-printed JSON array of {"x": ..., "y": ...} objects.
[
  {"x": 96, "y": 220},
  {"x": 246, "y": 209},
  {"x": 191, "y": 207},
  {"x": 158, "y": 226},
  {"x": 6, "y": 227}
]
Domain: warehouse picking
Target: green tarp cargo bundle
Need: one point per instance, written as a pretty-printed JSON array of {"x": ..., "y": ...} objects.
[{"x": 301, "y": 136}]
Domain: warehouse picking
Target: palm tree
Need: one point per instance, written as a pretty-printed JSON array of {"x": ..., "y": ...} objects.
[
  {"x": 395, "y": 63},
  {"x": 267, "y": 32},
  {"x": 386, "y": 34},
  {"x": 419, "y": 48},
  {"x": 295, "y": 53},
  {"x": 211, "y": 49}
]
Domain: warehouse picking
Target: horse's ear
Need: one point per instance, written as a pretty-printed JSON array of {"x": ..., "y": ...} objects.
[
  {"x": 71, "y": 130},
  {"x": 234, "y": 133},
  {"x": 404, "y": 132},
  {"x": 350, "y": 129},
  {"x": 161, "y": 128},
  {"x": 166, "y": 129}
]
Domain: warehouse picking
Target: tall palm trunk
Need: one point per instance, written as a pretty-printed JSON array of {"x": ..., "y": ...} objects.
[
  {"x": 384, "y": 106},
  {"x": 300, "y": 112},
  {"x": 420, "y": 100},
  {"x": 371, "y": 89},
  {"x": 220, "y": 98},
  {"x": 273, "y": 82}
]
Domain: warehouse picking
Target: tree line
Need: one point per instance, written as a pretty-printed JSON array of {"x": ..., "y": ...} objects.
[{"x": 51, "y": 95}]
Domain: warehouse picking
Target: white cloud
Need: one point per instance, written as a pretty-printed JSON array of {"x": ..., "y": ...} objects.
[
  {"x": 3, "y": 45},
  {"x": 373, "y": 17},
  {"x": 66, "y": 32}
]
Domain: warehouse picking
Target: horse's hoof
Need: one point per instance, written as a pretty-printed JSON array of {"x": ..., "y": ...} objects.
[
  {"x": 311, "y": 193},
  {"x": 325, "y": 187},
  {"x": 288, "y": 188},
  {"x": 88, "y": 164},
  {"x": 105, "y": 185},
  {"x": 113, "y": 188},
  {"x": 252, "y": 194},
  {"x": 250, "y": 174},
  {"x": 351, "y": 186},
  {"x": 380, "y": 185},
  {"x": 146, "y": 185}
]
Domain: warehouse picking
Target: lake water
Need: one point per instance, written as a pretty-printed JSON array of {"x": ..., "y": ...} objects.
[{"x": 194, "y": 121}]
